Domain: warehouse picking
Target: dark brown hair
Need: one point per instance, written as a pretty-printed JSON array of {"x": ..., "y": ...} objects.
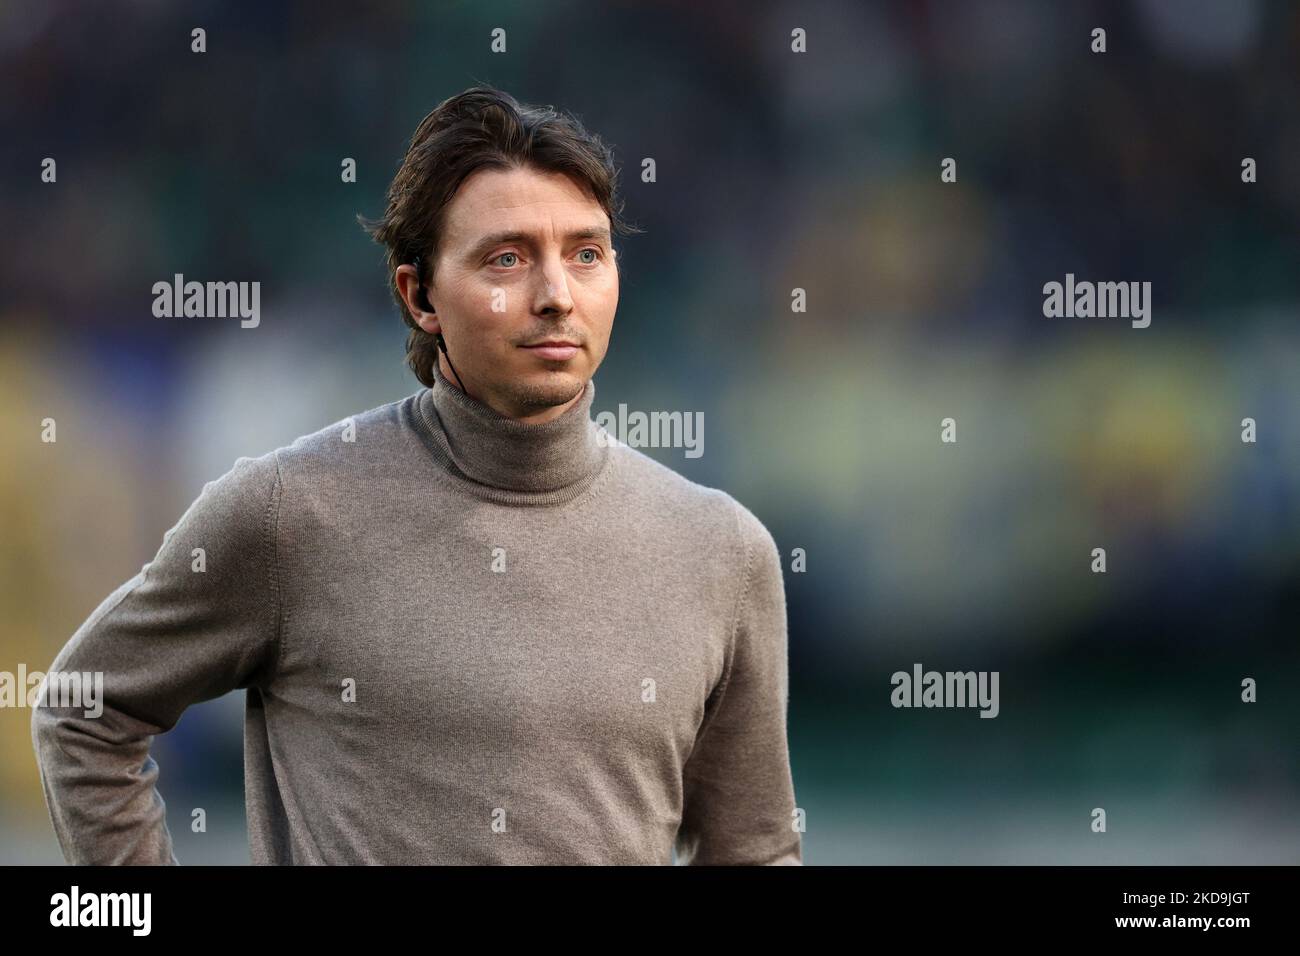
[{"x": 480, "y": 128}]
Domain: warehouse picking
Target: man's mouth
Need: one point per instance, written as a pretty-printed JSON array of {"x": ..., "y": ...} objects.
[{"x": 555, "y": 350}]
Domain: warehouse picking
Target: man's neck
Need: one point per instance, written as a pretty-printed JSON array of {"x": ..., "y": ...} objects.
[{"x": 487, "y": 447}]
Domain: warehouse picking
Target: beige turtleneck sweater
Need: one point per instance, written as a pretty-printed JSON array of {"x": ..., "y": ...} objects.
[{"x": 463, "y": 640}]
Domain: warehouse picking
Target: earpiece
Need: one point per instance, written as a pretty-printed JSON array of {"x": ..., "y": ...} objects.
[{"x": 422, "y": 299}]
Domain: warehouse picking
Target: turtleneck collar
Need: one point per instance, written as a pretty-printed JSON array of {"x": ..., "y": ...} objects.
[{"x": 508, "y": 461}]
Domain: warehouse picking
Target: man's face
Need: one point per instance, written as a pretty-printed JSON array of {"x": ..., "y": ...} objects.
[{"x": 525, "y": 258}]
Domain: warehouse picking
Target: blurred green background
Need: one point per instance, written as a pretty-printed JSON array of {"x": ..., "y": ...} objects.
[{"x": 775, "y": 170}]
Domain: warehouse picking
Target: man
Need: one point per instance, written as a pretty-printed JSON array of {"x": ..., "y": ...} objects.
[{"x": 471, "y": 628}]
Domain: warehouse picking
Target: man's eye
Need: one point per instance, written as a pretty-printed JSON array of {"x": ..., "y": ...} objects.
[
  {"x": 503, "y": 255},
  {"x": 594, "y": 252}
]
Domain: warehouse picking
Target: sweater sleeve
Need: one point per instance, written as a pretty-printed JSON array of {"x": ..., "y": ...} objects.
[
  {"x": 738, "y": 793},
  {"x": 190, "y": 626}
]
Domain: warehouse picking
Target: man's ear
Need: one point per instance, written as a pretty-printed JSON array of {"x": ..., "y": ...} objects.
[{"x": 416, "y": 299}]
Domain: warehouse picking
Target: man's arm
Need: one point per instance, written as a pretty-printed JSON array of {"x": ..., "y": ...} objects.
[
  {"x": 738, "y": 793},
  {"x": 171, "y": 636}
]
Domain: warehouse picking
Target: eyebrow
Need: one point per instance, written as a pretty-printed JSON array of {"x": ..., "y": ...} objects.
[{"x": 514, "y": 235}]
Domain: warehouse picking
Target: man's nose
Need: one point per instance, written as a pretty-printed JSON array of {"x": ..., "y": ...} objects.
[{"x": 552, "y": 292}]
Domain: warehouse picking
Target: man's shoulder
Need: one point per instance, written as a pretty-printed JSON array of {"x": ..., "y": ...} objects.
[
  {"x": 670, "y": 493},
  {"x": 362, "y": 441},
  {"x": 362, "y": 431}
]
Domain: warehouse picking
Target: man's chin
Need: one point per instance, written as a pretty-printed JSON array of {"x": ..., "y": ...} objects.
[{"x": 548, "y": 387}]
